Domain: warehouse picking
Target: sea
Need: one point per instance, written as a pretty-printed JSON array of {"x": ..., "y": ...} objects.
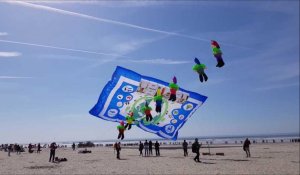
[{"x": 211, "y": 140}]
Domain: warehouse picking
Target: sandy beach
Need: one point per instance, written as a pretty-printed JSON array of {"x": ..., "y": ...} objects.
[{"x": 278, "y": 158}]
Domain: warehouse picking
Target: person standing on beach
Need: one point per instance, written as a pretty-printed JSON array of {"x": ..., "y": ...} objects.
[
  {"x": 156, "y": 146},
  {"x": 118, "y": 149},
  {"x": 38, "y": 148},
  {"x": 30, "y": 148},
  {"x": 150, "y": 147},
  {"x": 73, "y": 146},
  {"x": 52, "y": 151},
  {"x": 196, "y": 149},
  {"x": 9, "y": 148},
  {"x": 246, "y": 147},
  {"x": 18, "y": 149},
  {"x": 185, "y": 148},
  {"x": 141, "y": 147},
  {"x": 146, "y": 146}
]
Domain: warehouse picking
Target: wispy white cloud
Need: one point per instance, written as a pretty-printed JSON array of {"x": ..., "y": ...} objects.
[
  {"x": 268, "y": 65},
  {"x": 65, "y": 12},
  {"x": 276, "y": 86},
  {"x": 13, "y": 77},
  {"x": 97, "y": 2},
  {"x": 157, "y": 61},
  {"x": 124, "y": 47},
  {"x": 3, "y": 33},
  {"x": 131, "y": 45},
  {"x": 61, "y": 1},
  {"x": 64, "y": 57},
  {"x": 9, "y": 54},
  {"x": 284, "y": 72},
  {"x": 61, "y": 48}
]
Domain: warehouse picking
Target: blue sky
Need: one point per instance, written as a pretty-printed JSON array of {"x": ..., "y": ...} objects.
[{"x": 55, "y": 58}]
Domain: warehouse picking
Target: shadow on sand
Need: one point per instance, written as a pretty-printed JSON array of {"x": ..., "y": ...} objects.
[
  {"x": 42, "y": 167},
  {"x": 123, "y": 159},
  {"x": 208, "y": 163},
  {"x": 236, "y": 160}
]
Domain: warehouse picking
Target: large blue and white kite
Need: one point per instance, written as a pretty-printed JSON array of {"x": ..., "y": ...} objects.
[{"x": 129, "y": 91}]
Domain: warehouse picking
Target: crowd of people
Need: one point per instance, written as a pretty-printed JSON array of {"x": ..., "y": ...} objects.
[
  {"x": 148, "y": 146},
  {"x": 12, "y": 148},
  {"x": 145, "y": 149}
]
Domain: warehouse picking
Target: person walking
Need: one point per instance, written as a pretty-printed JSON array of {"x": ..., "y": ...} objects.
[
  {"x": 141, "y": 147},
  {"x": 118, "y": 149},
  {"x": 156, "y": 146},
  {"x": 246, "y": 147},
  {"x": 196, "y": 149},
  {"x": 185, "y": 148},
  {"x": 52, "y": 151},
  {"x": 146, "y": 146}
]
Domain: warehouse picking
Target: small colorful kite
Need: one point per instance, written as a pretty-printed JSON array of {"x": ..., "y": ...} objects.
[
  {"x": 199, "y": 68},
  {"x": 217, "y": 53}
]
